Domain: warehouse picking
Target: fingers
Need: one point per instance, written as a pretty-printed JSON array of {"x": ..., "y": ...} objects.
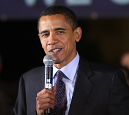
[
  {"x": 54, "y": 89},
  {"x": 45, "y": 99},
  {"x": 46, "y": 92}
]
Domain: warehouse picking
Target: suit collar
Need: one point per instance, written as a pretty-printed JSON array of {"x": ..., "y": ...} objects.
[{"x": 82, "y": 88}]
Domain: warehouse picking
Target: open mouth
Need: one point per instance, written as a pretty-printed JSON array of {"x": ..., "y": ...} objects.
[{"x": 55, "y": 50}]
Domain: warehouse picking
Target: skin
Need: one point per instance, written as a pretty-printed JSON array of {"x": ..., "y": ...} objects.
[
  {"x": 125, "y": 60},
  {"x": 45, "y": 99},
  {"x": 59, "y": 40}
]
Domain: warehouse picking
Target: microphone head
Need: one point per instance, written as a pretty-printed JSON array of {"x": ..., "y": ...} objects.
[{"x": 48, "y": 60}]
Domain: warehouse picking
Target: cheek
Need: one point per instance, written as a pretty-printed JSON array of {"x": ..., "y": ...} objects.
[
  {"x": 69, "y": 46},
  {"x": 70, "y": 42},
  {"x": 72, "y": 45},
  {"x": 43, "y": 43}
]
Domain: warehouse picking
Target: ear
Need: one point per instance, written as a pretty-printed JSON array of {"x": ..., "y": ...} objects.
[{"x": 78, "y": 34}]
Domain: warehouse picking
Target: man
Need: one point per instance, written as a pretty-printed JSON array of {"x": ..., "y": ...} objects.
[{"x": 90, "y": 88}]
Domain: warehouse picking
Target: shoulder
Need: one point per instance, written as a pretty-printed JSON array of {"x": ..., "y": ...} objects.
[
  {"x": 97, "y": 67},
  {"x": 103, "y": 67},
  {"x": 101, "y": 72},
  {"x": 34, "y": 73},
  {"x": 37, "y": 70}
]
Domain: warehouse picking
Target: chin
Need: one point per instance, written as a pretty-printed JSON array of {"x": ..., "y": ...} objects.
[{"x": 58, "y": 61}]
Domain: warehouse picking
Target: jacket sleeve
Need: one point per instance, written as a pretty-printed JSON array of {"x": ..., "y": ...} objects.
[
  {"x": 20, "y": 105},
  {"x": 119, "y": 95},
  {"x": 29, "y": 85}
]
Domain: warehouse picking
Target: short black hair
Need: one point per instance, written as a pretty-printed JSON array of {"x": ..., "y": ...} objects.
[{"x": 58, "y": 9}]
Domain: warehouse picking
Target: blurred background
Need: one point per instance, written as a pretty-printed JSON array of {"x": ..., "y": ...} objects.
[{"x": 105, "y": 38}]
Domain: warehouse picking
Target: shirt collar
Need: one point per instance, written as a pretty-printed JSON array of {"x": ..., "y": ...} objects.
[{"x": 70, "y": 69}]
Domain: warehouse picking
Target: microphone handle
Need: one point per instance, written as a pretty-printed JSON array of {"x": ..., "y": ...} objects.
[
  {"x": 48, "y": 82},
  {"x": 47, "y": 111}
]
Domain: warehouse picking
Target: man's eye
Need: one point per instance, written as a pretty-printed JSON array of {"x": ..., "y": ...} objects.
[
  {"x": 59, "y": 32},
  {"x": 44, "y": 35}
]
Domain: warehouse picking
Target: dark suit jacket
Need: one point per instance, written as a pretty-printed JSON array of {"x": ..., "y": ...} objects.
[{"x": 99, "y": 90}]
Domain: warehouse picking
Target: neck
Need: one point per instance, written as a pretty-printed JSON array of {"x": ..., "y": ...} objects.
[{"x": 64, "y": 62}]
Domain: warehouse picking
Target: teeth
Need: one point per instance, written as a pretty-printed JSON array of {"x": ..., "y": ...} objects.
[{"x": 55, "y": 50}]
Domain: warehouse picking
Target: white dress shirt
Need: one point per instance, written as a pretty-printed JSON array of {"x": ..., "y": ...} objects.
[{"x": 70, "y": 71}]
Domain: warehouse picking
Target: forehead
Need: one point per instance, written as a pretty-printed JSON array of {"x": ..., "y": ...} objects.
[{"x": 52, "y": 21}]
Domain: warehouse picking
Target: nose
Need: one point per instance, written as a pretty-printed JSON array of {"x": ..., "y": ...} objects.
[{"x": 52, "y": 39}]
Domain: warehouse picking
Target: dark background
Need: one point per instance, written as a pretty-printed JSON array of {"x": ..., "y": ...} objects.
[{"x": 105, "y": 38}]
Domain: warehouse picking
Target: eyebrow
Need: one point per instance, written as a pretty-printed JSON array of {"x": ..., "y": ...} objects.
[
  {"x": 55, "y": 29},
  {"x": 44, "y": 31},
  {"x": 60, "y": 29}
]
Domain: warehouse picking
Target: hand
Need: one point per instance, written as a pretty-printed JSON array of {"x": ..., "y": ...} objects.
[{"x": 45, "y": 99}]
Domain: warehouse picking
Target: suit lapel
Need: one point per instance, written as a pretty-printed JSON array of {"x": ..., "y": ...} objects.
[{"x": 82, "y": 88}]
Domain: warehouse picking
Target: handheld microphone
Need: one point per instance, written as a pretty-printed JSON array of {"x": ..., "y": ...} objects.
[{"x": 48, "y": 61}]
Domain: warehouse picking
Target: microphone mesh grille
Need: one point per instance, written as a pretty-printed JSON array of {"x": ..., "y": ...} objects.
[{"x": 48, "y": 60}]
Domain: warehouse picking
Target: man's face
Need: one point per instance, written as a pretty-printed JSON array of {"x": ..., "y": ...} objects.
[{"x": 58, "y": 39}]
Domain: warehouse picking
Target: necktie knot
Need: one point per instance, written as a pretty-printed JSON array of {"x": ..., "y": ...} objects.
[{"x": 60, "y": 75}]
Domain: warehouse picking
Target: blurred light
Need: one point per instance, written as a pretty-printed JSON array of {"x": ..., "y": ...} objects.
[
  {"x": 30, "y": 3},
  {"x": 94, "y": 15},
  {"x": 79, "y": 2},
  {"x": 49, "y": 2},
  {"x": 3, "y": 17},
  {"x": 121, "y": 2}
]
